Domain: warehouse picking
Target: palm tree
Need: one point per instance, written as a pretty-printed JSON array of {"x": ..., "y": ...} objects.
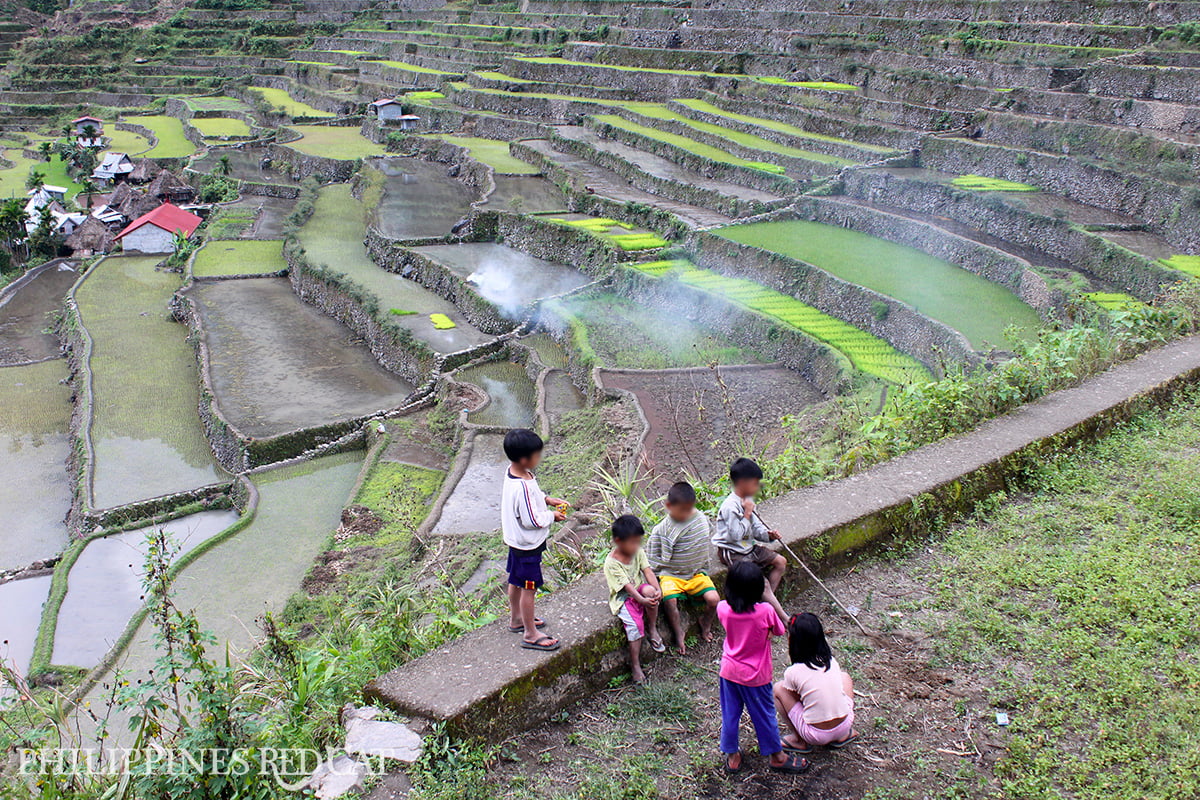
[
  {"x": 89, "y": 132},
  {"x": 35, "y": 181},
  {"x": 44, "y": 148},
  {"x": 12, "y": 222},
  {"x": 86, "y": 186},
  {"x": 223, "y": 166}
]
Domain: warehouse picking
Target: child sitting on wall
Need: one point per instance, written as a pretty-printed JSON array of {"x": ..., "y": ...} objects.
[
  {"x": 815, "y": 698},
  {"x": 678, "y": 553},
  {"x": 633, "y": 590},
  {"x": 525, "y": 517},
  {"x": 740, "y": 530}
]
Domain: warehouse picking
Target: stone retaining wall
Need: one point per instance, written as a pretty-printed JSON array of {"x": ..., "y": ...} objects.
[{"x": 299, "y": 165}]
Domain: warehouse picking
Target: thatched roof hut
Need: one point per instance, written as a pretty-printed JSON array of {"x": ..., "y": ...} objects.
[
  {"x": 143, "y": 171},
  {"x": 91, "y": 238},
  {"x": 168, "y": 188}
]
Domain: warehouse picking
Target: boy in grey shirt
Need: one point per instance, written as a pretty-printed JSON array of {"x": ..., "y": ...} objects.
[{"x": 740, "y": 531}]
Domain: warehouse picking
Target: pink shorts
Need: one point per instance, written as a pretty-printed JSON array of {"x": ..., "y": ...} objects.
[{"x": 821, "y": 736}]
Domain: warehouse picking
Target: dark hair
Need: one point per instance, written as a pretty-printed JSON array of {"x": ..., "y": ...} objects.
[
  {"x": 806, "y": 641},
  {"x": 744, "y": 469},
  {"x": 521, "y": 443},
  {"x": 627, "y": 526},
  {"x": 680, "y": 494},
  {"x": 744, "y": 586}
]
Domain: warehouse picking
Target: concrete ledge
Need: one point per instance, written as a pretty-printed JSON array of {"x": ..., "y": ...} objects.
[{"x": 485, "y": 684}]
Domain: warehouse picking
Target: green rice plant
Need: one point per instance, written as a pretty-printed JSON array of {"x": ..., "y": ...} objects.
[
  {"x": 1183, "y": 263},
  {"x": 981, "y": 183},
  {"x": 401, "y": 312},
  {"x": 280, "y": 99},
  {"x": 689, "y": 145},
  {"x": 603, "y": 227},
  {"x": 829, "y": 86},
  {"x": 172, "y": 143},
  {"x": 1114, "y": 301},
  {"x": 242, "y": 257},
  {"x": 220, "y": 127},
  {"x": 631, "y": 242},
  {"x": 868, "y": 353},
  {"x": 493, "y": 152},
  {"x": 442, "y": 322},
  {"x": 424, "y": 95}
]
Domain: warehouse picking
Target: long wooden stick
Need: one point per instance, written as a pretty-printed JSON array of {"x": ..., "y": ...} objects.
[{"x": 819, "y": 582}]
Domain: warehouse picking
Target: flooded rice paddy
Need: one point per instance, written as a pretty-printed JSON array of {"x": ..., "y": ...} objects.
[
  {"x": 104, "y": 588},
  {"x": 526, "y": 194},
  {"x": 146, "y": 433},
  {"x": 511, "y": 391},
  {"x": 279, "y": 364},
  {"x": 508, "y": 278},
  {"x": 21, "y": 604},
  {"x": 27, "y": 306},
  {"x": 245, "y": 164},
  {"x": 333, "y": 236},
  {"x": 419, "y": 200},
  {"x": 972, "y": 305},
  {"x": 474, "y": 505},
  {"x": 35, "y": 410}
]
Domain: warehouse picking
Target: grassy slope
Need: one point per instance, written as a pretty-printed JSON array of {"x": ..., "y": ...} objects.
[
  {"x": 169, "y": 132},
  {"x": 239, "y": 258},
  {"x": 220, "y": 126},
  {"x": 345, "y": 144},
  {"x": 493, "y": 152},
  {"x": 279, "y": 98}
]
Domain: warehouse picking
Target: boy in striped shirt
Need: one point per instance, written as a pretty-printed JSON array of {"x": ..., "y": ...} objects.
[{"x": 678, "y": 552}]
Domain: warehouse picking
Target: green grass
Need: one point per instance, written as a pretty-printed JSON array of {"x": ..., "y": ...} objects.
[
  {"x": 280, "y": 99},
  {"x": 689, "y": 145},
  {"x": 492, "y": 152},
  {"x": 979, "y": 309},
  {"x": 12, "y": 179},
  {"x": 334, "y": 141},
  {"x": 781, "y": 127},
  {"x": 54, "y": 172},
  {"x": 441, "y": 321},
  {"x": 424, "y": 95},
  {"x": 242, "y": 257},
  {"x": 172, "y": 143},
  {"x": 127, "y": 142},
  {"x": 980, "y": 183},
  {"x": 1075, "y": 607},
  {"x": 221, "y": 127},
  {"x": 619, "y": 233},
  {"x": 866, "y": 352},
  {"x": 829, "y": 86},
  {"x": 1114, "y": 301},
  {"x": 219, "y": 103},
  {"x": 229, "y": 222},
  {"x": 1188, "y": 264}
]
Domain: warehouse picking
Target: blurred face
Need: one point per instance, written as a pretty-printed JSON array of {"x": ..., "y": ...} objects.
[
  {"x": 531, "y": 462},
  {"x": 629, "y": 546},
  {"x": 747, "y": 487},
  {"x": 681, "y": 512}
]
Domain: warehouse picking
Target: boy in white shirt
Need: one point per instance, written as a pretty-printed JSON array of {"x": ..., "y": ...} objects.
[{"x": 525, "y": 517}]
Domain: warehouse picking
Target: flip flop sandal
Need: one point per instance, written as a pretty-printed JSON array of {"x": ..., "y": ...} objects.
[
  {"x": 848, "y": 740},
  {"x": 544, "y": 647},
  {"x": 658, "y": 645},
  {"x": 800, "y": 751},
  {"x": 734, "y": 770},
  {"x": 793, "y": 766},
  {"x": 537, "y": 623}
]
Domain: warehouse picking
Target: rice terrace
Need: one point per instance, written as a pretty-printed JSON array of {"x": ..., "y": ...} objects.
[{"x": 855, "y": 348}]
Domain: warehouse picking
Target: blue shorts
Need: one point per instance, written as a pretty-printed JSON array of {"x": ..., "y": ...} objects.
[{"x": 525, "y": 567}]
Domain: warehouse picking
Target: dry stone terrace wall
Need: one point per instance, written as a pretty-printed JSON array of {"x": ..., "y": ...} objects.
[
  {"x": 1166, "y": 206},
  {"x": 1011, "y": 272},
  {"x": 1172, "y": 84},
  {"x": 299, "y": 165},
  {"x": 930, "y": 342},
  {"x": 559, "y": 243},
  {"x": 1058, "y": 237}
]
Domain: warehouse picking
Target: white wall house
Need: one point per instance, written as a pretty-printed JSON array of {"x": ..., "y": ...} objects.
[{"x": 154, "y": 232}]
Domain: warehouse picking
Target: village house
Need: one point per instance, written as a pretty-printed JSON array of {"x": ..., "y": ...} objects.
[
  {"x": 168, "y": 188},
  {"x": 114, "y": 167},
  {"x": 89, "y": 131},
  {"x": 91, "y": 238},
  {"x": 391, "y": 112},
  {"x": 154, "y": 232}
]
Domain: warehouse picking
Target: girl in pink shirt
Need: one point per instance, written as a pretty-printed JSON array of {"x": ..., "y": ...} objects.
[
  {"x": 746, "y": 669},
  {"x": 815, "y": 698}
]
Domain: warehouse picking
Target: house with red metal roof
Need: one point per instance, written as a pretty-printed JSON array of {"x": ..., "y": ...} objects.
[{"x": 154, "y": 231}]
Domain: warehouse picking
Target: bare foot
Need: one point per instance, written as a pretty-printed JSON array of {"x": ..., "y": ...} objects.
[
  {"x": 682, "y": 648},
  {"x": 793, "y": 742},
  {"x": 706, "y": 633},
  {"x": 638, "y": 675},
  {"x": 734, "y": 762}
]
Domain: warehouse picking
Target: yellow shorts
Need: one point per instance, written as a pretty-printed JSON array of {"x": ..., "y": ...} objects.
[{"x": 694, "y": 586}]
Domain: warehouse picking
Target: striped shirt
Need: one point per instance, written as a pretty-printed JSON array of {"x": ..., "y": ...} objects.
[
  {"x": 679, "y": 549},
  {"x": 524, "y": 518}
]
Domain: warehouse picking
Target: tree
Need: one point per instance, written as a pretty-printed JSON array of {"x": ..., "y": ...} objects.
[
  {"x": 89, "y": 131},
  {"x": 44, "y": 148},
  {"x": 88, "y": 187},
  {"x": 223, "y": 166},
  {"x": 12, "y": 222},
  {"x": 44, "y": 240},
  {"x": 35, "y": 181}
]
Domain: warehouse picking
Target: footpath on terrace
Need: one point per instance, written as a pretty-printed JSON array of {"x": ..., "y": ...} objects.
[{"x": 485, "y": 683}]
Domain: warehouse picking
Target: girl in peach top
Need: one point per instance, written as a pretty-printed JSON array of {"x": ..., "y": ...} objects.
[{"x": 815, "y": 698}]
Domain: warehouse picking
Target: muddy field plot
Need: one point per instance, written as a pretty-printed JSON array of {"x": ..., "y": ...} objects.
[{"x": 691, "y": 430}]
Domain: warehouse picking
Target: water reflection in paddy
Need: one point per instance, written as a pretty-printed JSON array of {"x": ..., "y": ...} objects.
[
  {"x": 25, "y": 308},
  {"x": 419, "y": 199}
]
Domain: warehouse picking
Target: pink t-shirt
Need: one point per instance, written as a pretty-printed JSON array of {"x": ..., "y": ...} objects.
[{"x": 747, "y": 658}]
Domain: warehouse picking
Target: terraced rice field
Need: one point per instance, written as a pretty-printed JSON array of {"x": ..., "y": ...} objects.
[
  {"x": 146, "y": 432},
  {"x": 622, "y": 234},
  {"x": 54, "y": 172},
  {"x": 415, "y": 68},
  {"x": 221, "y": 127},
  {"x": 242, "y": 257},
  {"x": 12, "y": 179},
  {"x": 866, "y": 352},
  {"x": 128, "y": 142},
  {"x": 281, "y": 100},
  {"x": 980, "y": 310},
  {"x": 330, "y": 141},
  {"x": 690, "y": 145},
  {"x": 172, "y": 143},
  {"x": 980, "y": 183},
  {"x": 1183, "y": 263},
  {"x": 216, "y": 103},
  {"x": 492, "y": 152},
  {"x": 1115, "y": 301},
  {"x": 775, "y": 125}
]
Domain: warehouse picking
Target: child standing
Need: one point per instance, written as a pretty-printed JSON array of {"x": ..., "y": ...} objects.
[
  {"x": 525, "y": 517},
  {"x": 746, "y": 669},
  {"x": 633, "y": 591},
  {"x": 815, "y": 698},
  {"x": 740, "y": 530},
  {"x": 678, "y": 552}
]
